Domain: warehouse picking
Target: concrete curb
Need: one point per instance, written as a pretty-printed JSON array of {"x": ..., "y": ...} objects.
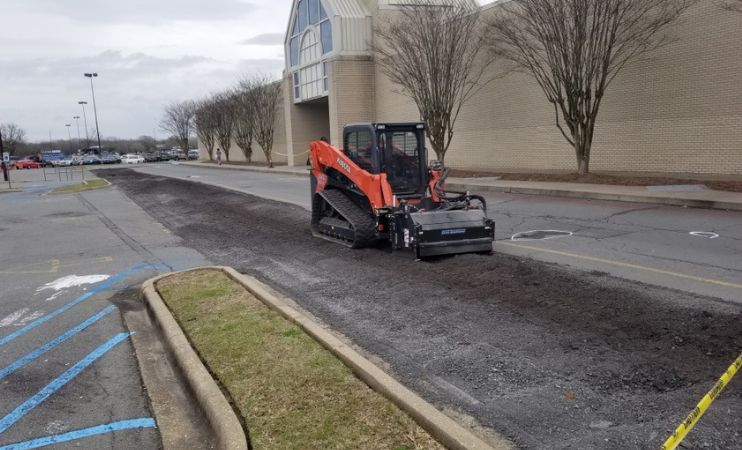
[
  {"x": 222, "y": 419},
  {"x": 671, "y": 201},
  {"x": 447, "y": 431},
  {"x": 275, "y": 170}
]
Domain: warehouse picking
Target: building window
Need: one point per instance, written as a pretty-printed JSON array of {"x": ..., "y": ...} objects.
[
  {"x": 309, "y": 13},
  {"x": 313, "y": 11},
  {"x": 310, "y": 40},
  {"x": 294, "y": 50},
  {"x": 326, "y": 33},
  {"x": 324, "y": 75}
]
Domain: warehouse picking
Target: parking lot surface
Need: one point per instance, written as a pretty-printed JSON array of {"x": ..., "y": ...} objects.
[
  {"x": 68, "y": 374},
  {"x": 550, "y": 356},
  {"x": 647, "y": 243}
]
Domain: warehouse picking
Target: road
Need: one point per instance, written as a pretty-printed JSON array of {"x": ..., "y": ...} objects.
[
  {"x": 549, "y": 356},
  {"x": 639, "y": 242},
  {"x": 69, "y": 265}
]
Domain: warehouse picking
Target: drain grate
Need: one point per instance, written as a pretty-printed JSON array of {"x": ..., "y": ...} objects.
[{"x": 539, "y": 235}]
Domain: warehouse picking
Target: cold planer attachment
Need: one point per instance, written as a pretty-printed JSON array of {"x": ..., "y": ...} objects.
[{"x": 378, "y": 188}]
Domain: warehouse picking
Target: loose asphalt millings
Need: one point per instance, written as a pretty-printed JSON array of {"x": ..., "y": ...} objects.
[{"x": 549, "y": 356}]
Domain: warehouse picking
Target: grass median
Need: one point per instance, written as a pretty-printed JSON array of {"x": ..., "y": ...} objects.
[
  {"x": 87, "y": 185},
  {"x": 290, "y": 391}
]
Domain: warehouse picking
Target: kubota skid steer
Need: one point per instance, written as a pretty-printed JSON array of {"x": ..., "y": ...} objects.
[{"x": 380, "y": 188}]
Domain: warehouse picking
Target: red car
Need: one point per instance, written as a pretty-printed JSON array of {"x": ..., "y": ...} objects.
[{"x": 27, "y": 164}]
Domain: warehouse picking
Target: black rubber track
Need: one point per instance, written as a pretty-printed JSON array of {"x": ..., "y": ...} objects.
[{"x": 360, "y": 221}]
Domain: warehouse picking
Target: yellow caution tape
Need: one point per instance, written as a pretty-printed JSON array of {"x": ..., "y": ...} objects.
[
  {"x": 295, "y": 154},
  {"x": 677, "y": 437}
]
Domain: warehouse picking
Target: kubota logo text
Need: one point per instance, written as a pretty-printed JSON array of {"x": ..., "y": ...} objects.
[{"x": 343, "y": 164}]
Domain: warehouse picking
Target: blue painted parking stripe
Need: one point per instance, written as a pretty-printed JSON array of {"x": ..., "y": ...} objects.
[
  {"x": 98, "y": 288},
  {"x": 55, "y": 342},
  {"x": 130, "y": 424},
  {"x": 22, "y": 409}
]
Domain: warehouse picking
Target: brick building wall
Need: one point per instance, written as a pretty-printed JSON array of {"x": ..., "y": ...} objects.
[{"x": 678, "y": 110}]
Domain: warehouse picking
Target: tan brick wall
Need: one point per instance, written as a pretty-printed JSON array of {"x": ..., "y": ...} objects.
[
  {"x": 309, "y": 121},
  {"x": 677, "y": 110},
  {"x": 351, "y": 93}
]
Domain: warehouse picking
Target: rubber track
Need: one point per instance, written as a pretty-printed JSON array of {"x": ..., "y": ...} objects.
[{"x": 363, "y": 225}]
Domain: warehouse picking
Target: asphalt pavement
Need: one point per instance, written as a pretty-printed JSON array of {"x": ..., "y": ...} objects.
[
  {"x": 661, "y": 245},
  {"x": 68, "y": 373}
]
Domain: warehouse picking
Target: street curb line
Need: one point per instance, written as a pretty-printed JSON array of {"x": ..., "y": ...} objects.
[
  {"x": 248, "y": 168},
  {"x": 222, "y": 418},
  {"x": 444, "y": 429},
  {"x": 685, "y": 202}
]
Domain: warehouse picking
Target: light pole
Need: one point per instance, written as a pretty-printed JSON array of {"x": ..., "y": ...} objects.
[
  {"x": 77, "y": 121},
  {"x": 95, "y": 110},
  {"x": 85, "y": 119},
  {"x": 69, "y": 136}
]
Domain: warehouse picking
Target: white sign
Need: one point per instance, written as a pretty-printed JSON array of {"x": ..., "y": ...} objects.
[{"x": 6, "y": 156}]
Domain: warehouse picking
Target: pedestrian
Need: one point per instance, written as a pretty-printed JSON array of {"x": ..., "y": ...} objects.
[{"x": 218, "y": 156}]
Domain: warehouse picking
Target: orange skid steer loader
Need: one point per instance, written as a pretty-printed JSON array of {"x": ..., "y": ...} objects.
[{"x": 379, "y": 188}]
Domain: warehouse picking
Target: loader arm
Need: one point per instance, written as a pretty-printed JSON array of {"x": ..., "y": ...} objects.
[{"x": 375, "y": 187}]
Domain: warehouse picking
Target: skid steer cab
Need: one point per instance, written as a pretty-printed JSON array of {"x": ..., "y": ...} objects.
[{"x": 380, "y": 188}]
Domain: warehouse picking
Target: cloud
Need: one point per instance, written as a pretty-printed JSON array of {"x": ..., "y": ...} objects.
[
  {"x": 130, "y": 91},
  {"x": 265, "y": 39},
  {"x": 140, "y": 11}
]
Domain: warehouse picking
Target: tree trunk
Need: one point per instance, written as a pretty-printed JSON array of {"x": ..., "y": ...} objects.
[
  {"x": 270, "y": 163},
  {"x": 582, "y": 137}
]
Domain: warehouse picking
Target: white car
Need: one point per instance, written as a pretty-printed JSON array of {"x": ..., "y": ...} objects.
[{"x": 131, "y": 158}]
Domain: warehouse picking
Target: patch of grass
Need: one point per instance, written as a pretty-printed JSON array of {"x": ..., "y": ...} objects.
[
  {"x": 87, "y": 185},
  {"x": 291, "y": 392}
]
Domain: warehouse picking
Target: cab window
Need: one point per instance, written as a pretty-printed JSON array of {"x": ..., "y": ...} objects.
[{"x": 359, "y": 147}]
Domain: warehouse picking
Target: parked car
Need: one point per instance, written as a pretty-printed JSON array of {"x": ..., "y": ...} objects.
[
  {"x": 178, "y": 154},
  {"x": 62, "y": 162},
  {"x": 164, "y": 156},
  {"x": 151, "y": 157},
  {"x": 131, "y": 158},
  {"x": 91, "y": 159},
  {"x": 110, "y": 158},
  {"x": 193, "y": 153},
  {"x": 27, "y": 163}
]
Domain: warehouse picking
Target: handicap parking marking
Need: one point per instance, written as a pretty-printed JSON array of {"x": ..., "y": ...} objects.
[
  {"x": 55, "y": 342},
  {"x": 56, "y": 384},
  {"x": 96, "y": 289},
  {"x": 130, "y": 424}
]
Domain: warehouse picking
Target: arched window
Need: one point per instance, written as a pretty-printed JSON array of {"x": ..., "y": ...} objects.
[
  {"x": 311, "y": 73},
  {"x": 310, "y": 42},
  {"x": 309, "y": 13}
]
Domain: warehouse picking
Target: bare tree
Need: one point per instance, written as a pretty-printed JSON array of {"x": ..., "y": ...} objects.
[
  {"x": 205, "y": 125},
  {"x": 575, "y": 48},
  {"x": 267, "y": 95},
  {"x": 246, "y": 115},
  {"x": 178, "y": 121},
  {"x": 434, "y": 51},
  {"x": 13, "y": 136},
  {"x": 224, "y": 115}
]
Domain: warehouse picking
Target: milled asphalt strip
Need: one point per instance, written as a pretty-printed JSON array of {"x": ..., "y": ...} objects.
[
  {"x": 222, "y": 419},
  {"x": 446, "y": 430}
]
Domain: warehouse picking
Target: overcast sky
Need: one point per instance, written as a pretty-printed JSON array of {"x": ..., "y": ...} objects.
[{"x": 147, "y": 53}]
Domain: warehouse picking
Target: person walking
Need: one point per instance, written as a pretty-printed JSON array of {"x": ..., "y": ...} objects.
[{"x": 219, "y": 156}]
